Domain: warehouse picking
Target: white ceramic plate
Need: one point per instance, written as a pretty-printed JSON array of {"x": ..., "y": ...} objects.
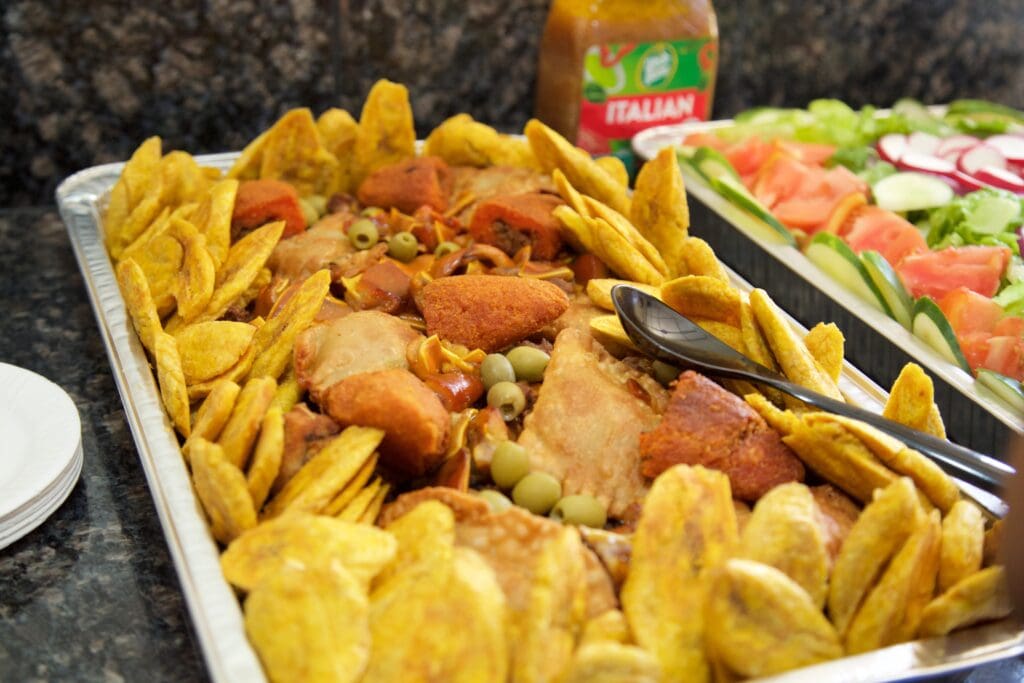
[{"x": 40, "y": 450}]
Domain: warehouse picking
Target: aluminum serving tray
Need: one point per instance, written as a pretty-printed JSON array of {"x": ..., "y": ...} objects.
[
  {"x": 975, "y": 416},
  {"x": 215, "y": 609}
]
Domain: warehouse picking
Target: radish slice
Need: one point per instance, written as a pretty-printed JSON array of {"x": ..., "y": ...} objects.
[
  {"x": 967, "y": 183},
  {"x": 1011, "y": 146},
  {"x": 1001, "y": 178},
  {"x": 926, "y": 163},
  {"x": 952, "y": 147},
  {"x": 980, "y": 156},
  {"x": 891, "y": 147},
  {"x": 925, "y": 143}
]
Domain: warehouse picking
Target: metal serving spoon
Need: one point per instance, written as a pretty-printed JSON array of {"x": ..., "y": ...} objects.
[{"x": 663, "y": 333}]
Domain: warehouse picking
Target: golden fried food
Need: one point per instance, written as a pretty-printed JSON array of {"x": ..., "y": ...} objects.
[
  {"x": 615, "y": 167},
  {"x": 489, "y": 312},
  {"x": 222, "y": 490},
  {"x": 660, "y": 211},
  {"x": 173, "y": 389},
  {"x": 310, "y": 541},
  {"x": 463, "y": 505},
  {"x": 702, "y": 296},
  {"x": 275, "y": 339},
  {"x": 628, "y": 232},
  {"x": 608, "y": 627},
  {"x": 338, "y": 132},
  {"x": 706, "y": 425},
  {"x": 211, "y": 348},
  {"x": 213, "y": 413},
  {"x": 386, "y": 133},
  {"x": 360, "y": 503},
  {"x": 601, "y": 238},
  {"x": 511, "y": 222},
  {"x": 701, "y": 260},
  {"x": 212, "y": 218},
  {"x": 408, "y": 185},
  {"x": 461, "y": 141},
  {"x": 309, "y": 624},
  {"x": 600, "y": 291},
  {"x": 193, "y": 285},
  {"x": 826, "y": 344},
  {"x": 981, "y": 596},
  {"x": 879, "y": 532},
  {"x": 837, "y": 513},
  {"x": 912, "y": 402},
  {"x": 782, "y": 421},
  {"x": 585, "y": 427},
  {"x": 139, "y": 303},
  {"x": 327, "y": 473},
  {"x": 134, "y": 199},
  {"x": 352, "y": 489},
  {"x": 891, "y": 611},
  {"x": 414, "y": 421},
  {"x": 963, "y": 543},
  {"x": 686, "y": 530},
  {"x": 425, "y": 535},
  {"x": 236, "y": 373},
  {"x": 240, "y": 432},
  {"x": 605, "y": 662},
  {"x": 761, "y": 622},
  {"x": 266, "y": 456},
  {"x": 784, "y": 532}
]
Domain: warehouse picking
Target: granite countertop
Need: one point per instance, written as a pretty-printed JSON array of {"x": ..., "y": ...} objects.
[{"x": 92, "y": 593}]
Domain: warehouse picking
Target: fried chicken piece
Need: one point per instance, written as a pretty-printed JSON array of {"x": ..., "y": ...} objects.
[
  {"x": 578, "y": 316},
  {"x": 464, "y": 505},
  {"x": 472, "y": 186},
  {"x": 322, "y": 244},
  {"x": 415, "y": 423},
  {"x": 408, "y": 185},
  {"x": 511, "y": 222},
  {"x": 305, "y": 432},
  {"x": 838, "y": 512},
  {"x": 489, "y": 312},
  {"x": 706, "y": 425},
  {"x": 585, "y": 427},
  {"x": 363, "y": 341}
]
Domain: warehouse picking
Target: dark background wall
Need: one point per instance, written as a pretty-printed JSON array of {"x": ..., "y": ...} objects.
[{"x": 86, "y": 80}]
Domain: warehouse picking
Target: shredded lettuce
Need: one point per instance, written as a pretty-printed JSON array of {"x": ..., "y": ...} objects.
[{"x": 968, "y": 220}]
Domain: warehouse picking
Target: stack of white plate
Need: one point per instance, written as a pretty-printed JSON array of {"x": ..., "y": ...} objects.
[{"x": 40, "y": 450}]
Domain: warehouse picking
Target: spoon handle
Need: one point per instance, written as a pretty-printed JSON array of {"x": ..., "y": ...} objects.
[{"x": 981, "y": 470}]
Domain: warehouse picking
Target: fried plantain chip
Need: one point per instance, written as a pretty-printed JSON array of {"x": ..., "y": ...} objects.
[
  {"x": 236, "y": 373},
  {"x": 764, "y": 622},
  {"x": 266, "y": 456},
  {"x": 628, "y": 231},
  {"x": 753, "y": 339},
  {"x": 160, "y": 256},
  {"x": 703, "y": 297},
  {"x": 554, "y": 151},
  {"x": 326, "y": 473},
  {"x": 139, "y": 303},
  {"x": 608, "y": 330},
  {"x": 993, "y": 542},
  {"x": 883, "y": 526},
  {"x": 134, "y": 199},
  {"x": 184, "y": 180},
  {"x": 338, "y": 131},
  {"x": 826, "y": 343},
  {"x": 173, "y": 389},
  {"x": 963, "y": 544},
  {"x": 275, "y": 339},
  {"x": 571, "y": 196},
  {"x": 193, "y": 285},
  {"x": 359, "y": 504},
  {"x": 599, "y": 237},
  {"x": 424, "y": 534},
  {"x": 386, "y": 132},
  {"x": 305, "y": 540},
  {"x": 310, "y": 625},
  {"x": 289, "y": 391},
  {"x": 912, "y": 402},
  {"x": 222, "y": 490},
  {"x": 352, "y": 488},
  {"x": 211, "y": 348},
  {"x": 607, "y": 662},
  {"x": 609, "y": 626},
  {"x": 440, "y": 621},
  {"x": 700, "y": 259},
  {"x": 239, "y": 434},
  {"x": 793, "y": 357},
  {"x": 660, "y": 210},
  {"x": 839, "y": 457},
  {"x": 372, "y": 511},
  {"x": 600, "y": 291},
  {"x": 784, "y": 532},
  {"x": 937, "y": 486},
  {"x": 613, "y": 166},
  {"x": 212, "y": 218},
  {"x": 213, "y": 414},
  {"x": 982, "y": 595},
  {"x": 782, "y": 421},
  {"x": 887, "y": 616},
  {"x": 686, "y": 529},
  {"x": 461, "y": 141}
]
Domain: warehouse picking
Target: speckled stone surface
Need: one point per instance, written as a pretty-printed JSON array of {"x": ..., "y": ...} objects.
[
  {"x": 91, "y": 595},
  {"x": 86, "y": 82}
]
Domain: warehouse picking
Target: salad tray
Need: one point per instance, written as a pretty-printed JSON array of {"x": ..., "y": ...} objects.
[
  {"x": 214, "y": 608},
  {"x": 974, "y": 415}
]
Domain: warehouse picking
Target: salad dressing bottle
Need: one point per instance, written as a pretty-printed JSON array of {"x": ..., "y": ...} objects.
[{"x": 610, "y": 68}]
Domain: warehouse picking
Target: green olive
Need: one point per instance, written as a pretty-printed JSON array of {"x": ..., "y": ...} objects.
[
  {"x": 446, "y": 248},
  {"x": 509, "y": 464},
  {"x": 403, "y": 246},
  {"x": 363, "y": 234},
  {"x": 496, "y": 368},
  {"x": 507, "y": 398},
  {"x": 371, "y": 211},
  {"x": 664, "y": 372},
  {"x": 309, "y": 212},
  {"x": 319, "y": 203},
  {"x": 495, "y": 499},
  {"x": 528, "y": 362},
  {"x": 581, "y": 509},
  {"x": 537, "y": 492}
]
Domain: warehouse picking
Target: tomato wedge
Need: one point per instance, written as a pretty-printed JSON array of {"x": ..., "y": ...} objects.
[
  {"x": 807, "y": 152},
  {"x": 967, "y": 311},
  {"x": 874, "y": 228},
  {"x": 748, "y": 156},
  {"x": 1010, "y": 326},
  {"x": 937, "y": 273},
  {"x": 1005, "y": 356}
]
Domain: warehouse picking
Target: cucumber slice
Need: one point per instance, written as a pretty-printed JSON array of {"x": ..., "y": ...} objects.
[
  {"x": 834, "y": 256},
  {"x": 889, "y": 285},
  {"x": 711, "y": 164},
  {"x": 911, "y": 192},
  {"x": 993, "y": 214},
  {"x": 735, "y": 192},
  {"x": 931, "y": 326},
  {"x": 1006, "y": 388}
]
